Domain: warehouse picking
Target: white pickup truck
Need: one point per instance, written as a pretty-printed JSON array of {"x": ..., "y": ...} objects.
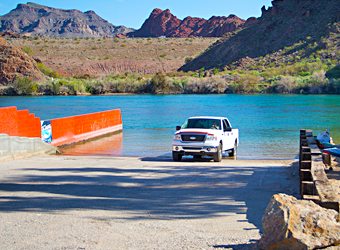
[{"x": 205, "y": 135}]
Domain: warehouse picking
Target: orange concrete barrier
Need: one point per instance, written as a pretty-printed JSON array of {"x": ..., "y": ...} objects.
[
  {"x": 15, "y": 122},
  {"x": 65, "y": 131},
  {"x": 69, "y": 130}
]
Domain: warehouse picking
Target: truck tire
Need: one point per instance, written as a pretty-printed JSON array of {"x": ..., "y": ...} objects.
[
  {"x": 176, "y": 156},
  {"x": 218, "y": 154},
  {"x": 233, "y": 152}
]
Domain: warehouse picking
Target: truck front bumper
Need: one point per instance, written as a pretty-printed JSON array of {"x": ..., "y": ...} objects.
[{"x": 195, "y": 150}]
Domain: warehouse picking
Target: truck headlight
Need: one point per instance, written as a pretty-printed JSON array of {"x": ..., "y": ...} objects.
[
  {"x": 211, "y": 138},
  {"x": 177, "y": 137}
]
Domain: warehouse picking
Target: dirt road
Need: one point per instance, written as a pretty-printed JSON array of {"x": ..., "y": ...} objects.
[{"x": 130, "y": 203}]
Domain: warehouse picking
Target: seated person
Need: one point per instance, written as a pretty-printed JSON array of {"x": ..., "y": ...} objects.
[{"x": 215, "y": 126}]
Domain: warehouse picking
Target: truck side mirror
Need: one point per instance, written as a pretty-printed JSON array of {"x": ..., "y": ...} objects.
[
  {"x": 228, "y": 129},
  {"x": 178, "y": 128}
]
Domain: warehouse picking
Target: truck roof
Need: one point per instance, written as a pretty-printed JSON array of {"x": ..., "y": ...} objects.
[{"x": 208, "y": 117}]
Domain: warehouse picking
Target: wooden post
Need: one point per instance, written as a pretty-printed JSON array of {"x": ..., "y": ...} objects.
[
  {"x": 306, "y": 175},
  {"x": 306, "y": 165},
  {"x": 303, "y": 143},
  {"x": 307, "y": 188},
  {"x": 306, "y": 156}
]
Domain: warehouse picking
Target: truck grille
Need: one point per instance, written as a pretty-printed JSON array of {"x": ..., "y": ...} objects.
[
  {"x": 192, "y": 148},
  {"x": 193, "y": 137}
]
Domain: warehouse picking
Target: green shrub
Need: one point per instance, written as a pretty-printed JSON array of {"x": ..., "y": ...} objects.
[
  {"x": 47, "y": 71},
  {"x": 334, "y": 73},
  {"x": 24, "y": 86},
  {"x": 46, "y": 89},
  {"x": 72, "y": 86},
  {"x": 282, "y": 85},
  {"x": 159, "y": 84},
  {"x": 27, "y": 50},
  {"x": 67, "y": 90},
  {"x": 333, "y": 86},
  {"x": 208, "y": 85},
  {"x": 95, "y": 89},
  {"x": 180, "y": 83},
  {"x": 56, "y": 88},
  {"x": 216, "y": 71},
  {"x": 304, "y": 73},
  {"x": 8, "y": 91},
  {"x": 126, "y": 87},
  {"x": 318, "y": 78},
  {"x": 201, "y": 72},
  {"x": 249, "y": 83}
]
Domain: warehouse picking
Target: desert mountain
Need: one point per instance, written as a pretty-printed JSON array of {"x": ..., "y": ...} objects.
[
  {"x": 164, "y": 23},
  {"x": 35, "y": 19},
  {"x": 304, "y": 25},
  {"x": 15, "y": 63}
]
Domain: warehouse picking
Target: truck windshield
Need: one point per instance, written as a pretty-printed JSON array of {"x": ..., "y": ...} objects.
[{"x": 203, "y": 124}]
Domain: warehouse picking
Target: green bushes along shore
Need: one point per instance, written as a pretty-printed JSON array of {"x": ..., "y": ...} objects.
[{"x": 302, "y": 78}]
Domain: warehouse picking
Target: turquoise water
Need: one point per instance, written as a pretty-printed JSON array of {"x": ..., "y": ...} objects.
[{"x": 269, "y": 124}]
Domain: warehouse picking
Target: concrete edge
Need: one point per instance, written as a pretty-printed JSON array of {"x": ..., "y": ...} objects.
[{"x": 14, "y": 147}]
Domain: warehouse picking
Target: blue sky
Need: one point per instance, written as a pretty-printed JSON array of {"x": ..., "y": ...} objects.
[{"x": 132, "y": 13}]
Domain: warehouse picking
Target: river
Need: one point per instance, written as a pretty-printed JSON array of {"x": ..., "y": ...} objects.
[{"x": 269, "y": 124}]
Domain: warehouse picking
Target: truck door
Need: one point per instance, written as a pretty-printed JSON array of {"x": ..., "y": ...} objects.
[{"x": 228, "y": 142}]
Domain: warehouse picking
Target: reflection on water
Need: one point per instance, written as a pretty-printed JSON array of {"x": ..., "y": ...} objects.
[{"x": 111, "y": 145}]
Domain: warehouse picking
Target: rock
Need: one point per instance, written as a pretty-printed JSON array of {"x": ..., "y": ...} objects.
[
  {"x": 120, "y": 36},
  {"x": 244, "y": 62},
  {"x": 190, "y": 26},
  {"x": 160, "y": 23},
  {"x": 14, "y": 62},
  {"x": 250, "y": 21},
  {"x": 38, "y": 60},
  {"x": 9, "y": 34},
  {"x": 289, "y": 223},
  {"x": 37, "y": 20},
  {"x": 163, "y": 23},
  {"x": 217, "y": 26}
]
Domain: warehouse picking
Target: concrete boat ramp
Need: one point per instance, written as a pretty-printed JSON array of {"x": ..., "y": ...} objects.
[{"x": 58, "y": 202}]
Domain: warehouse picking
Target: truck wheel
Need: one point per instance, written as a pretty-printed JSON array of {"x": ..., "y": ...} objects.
[
  {"x": 176, "y": 156},
  {"x": 218, "y": 154},
  {"x": 233, "y": 152}
]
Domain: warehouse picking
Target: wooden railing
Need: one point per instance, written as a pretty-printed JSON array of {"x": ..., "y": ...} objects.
[{"x": 314, "y": 183}]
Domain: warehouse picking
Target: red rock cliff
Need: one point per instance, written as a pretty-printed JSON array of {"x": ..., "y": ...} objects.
[{"x": 163, "y": 23}]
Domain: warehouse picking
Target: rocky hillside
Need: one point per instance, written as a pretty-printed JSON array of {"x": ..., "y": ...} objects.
[
  {"x": 164, "y": 23},
  {"x": 15, "y": 63},
  {"x": 34, "y": 19},
  {"x": 97, "y": 57},
  {"x": 293, "y": 29}
]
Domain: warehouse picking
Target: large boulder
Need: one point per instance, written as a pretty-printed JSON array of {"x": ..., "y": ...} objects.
[
  {"x": 289, "y": 223},
  {"x": 16, "y": 63}
]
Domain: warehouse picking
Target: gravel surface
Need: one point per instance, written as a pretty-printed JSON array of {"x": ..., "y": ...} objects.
[{"x": 129, "y": 203}]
